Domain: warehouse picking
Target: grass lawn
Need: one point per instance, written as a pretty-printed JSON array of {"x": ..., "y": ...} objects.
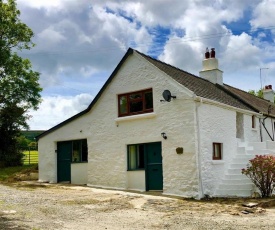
[
  {"x": 31, "y": 157},
  {"x": 9, "y": 172}
]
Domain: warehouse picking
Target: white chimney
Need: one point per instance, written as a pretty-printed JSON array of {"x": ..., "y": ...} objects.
[
  {"x": 210, "y": 69},
  {"x": 268, "y": 93}
]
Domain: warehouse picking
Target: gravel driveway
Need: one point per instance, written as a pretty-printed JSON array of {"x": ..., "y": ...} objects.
[{"x": 30, "y": 205}]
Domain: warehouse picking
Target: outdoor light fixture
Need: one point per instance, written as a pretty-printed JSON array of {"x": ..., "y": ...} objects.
[{"x": 164, "y": 135}]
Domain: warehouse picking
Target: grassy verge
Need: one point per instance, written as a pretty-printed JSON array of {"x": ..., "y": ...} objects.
[{"x": 8, "y": 173}]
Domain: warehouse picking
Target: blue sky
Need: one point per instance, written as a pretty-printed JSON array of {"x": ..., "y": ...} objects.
[{"x": 79, "y": 43}]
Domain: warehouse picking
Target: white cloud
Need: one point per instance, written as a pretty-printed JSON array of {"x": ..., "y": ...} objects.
[
  {"x": 55, "y": 109},
  {"x": 79, "y": 43},
  {"x": 263, "y": 14},
  {"x": 50, "y": 36},
  {"x": 240, "y": 52}
]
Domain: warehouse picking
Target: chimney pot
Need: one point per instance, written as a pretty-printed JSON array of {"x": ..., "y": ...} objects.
[
  {"x": 207, "y": 54},
  {"x": 268, "y": 87},
  {"x": 212, "y": 53},
  {"x": 268, "y": 93},
  {"x": 210, "y": 70}
]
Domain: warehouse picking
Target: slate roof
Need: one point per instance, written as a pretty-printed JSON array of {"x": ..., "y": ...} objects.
[
  {"x": 225, "y": 94},
  {"x": 201, "y": 87},
  {"x": 259, "y": 104}
]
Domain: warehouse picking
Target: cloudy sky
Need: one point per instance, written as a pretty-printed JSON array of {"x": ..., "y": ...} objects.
[{"x": 80, "y": 42}]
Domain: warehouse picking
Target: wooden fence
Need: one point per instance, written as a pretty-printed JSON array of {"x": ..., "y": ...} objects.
[{"x": 30, "y": 157}]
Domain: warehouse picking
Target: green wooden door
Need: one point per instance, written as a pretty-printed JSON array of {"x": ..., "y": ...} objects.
[
  {"x": 64, "y": 154},
  {"x": 154, "y": 178}
]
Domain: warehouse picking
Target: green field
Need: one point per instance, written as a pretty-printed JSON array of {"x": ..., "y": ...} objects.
[{"x": 30, "y": 157}]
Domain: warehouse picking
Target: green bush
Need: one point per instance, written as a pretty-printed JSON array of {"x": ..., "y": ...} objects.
[{"x": 261, "y": 170}]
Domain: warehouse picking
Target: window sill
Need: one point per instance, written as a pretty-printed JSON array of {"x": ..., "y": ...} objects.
[
  {"x": 254, "y": 129},
  {"x": 217, "y": 162},
  {"x": 135, "y": 117}
]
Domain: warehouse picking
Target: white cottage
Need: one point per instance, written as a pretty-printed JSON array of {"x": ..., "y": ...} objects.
[{"x": 153, "y": 126}]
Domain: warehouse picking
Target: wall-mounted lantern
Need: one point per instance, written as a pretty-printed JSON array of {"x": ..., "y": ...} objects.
[{"x": 164, "y": 135}]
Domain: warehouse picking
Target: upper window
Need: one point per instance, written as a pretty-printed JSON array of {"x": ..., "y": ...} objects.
[
  {"x": 217, "y": 151},
  {"x": 135, "y": 103},
  {"x": 80, "y": 151}
]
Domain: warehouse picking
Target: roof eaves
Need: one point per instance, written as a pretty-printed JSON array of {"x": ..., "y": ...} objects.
[
  {"x": 237, "y": 97},
  {"x": 252, "y": 96},
  {"x": 128, "y": 53}
]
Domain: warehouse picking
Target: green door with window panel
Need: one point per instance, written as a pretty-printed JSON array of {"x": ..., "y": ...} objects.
[
  {"x": 64, "y": 155},
  {"x": 154, "y": 177}
]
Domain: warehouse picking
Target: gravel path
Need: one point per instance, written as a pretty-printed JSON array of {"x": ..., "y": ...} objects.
[{"x": 29, "y": 205}]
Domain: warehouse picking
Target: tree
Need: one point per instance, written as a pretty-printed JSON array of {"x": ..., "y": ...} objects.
[
  {"x": 261, "y": 170},
  {"x": 23, "y": 142},
  {"x": 258, "y": 93},
  {"x": 19, "y": 87}
]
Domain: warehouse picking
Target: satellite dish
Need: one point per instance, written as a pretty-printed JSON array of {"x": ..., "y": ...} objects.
[{"x": 167, "y": 95}]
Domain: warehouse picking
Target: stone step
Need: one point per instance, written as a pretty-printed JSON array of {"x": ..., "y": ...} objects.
[
  {"x": 232, "y": 193},
  {"x": 238, "y": 176},
  {"x": 260, "y": 152},
  {"x": 238, "y": 165},
  {"x": 234, "y": 171},
  {"x": 243, "y": 150},
  {"x": 244, "y": 156},
  {"x": 257, "y": 145},
  {"x": 236, "y": 181},
  {"x": 243, "y": 186},
  {"x": 245, "y": 145},
  {"x": 242, "y": 160}
]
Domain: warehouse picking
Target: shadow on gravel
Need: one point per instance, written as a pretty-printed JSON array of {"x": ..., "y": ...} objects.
[{"x": 6, "y": 223}]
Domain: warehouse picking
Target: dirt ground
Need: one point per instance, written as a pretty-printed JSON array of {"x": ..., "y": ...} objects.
[{"x": 31, "y": 205}]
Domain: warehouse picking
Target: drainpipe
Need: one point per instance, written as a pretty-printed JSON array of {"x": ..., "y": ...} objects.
[
  {"x": 263, "y": 123},
  {"x": 272, "y": 126},
  {"x": 199, "y": 150},
  {"x": 261, "y": 134}
]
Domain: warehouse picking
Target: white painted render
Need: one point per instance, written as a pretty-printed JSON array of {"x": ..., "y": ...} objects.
[
  {"x": 211, "y": 71},
  {"x": 108, "y": 135},
  {"x": 189, "y": 122},
  {"x": 268, "y": 94},
  {"x": 79, "y": 173},
  {"x": 175, "y": 118},
  {"x": 136, "y": 180},
  {"x": 47, "y": 146},
  {"x": 216, "y": 125}
]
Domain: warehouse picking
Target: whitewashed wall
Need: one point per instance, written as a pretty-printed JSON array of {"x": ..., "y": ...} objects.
[
  {"x": 251, "y": 134},
  {"x": 79, "y": 173},
  {"x": 47, "y": 147},
  {"x": 108, "y": 135},
  {"x": 216, "y": 124},
  {"x": 108, "y": 151},
  {"x": 136, "y": 180}
]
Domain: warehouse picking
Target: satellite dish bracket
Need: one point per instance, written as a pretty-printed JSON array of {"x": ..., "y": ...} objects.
[{"x": 167, "y": 95}]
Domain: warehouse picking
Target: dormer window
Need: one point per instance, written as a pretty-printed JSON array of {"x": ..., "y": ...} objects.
[{"x": 135, "y": 103}]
